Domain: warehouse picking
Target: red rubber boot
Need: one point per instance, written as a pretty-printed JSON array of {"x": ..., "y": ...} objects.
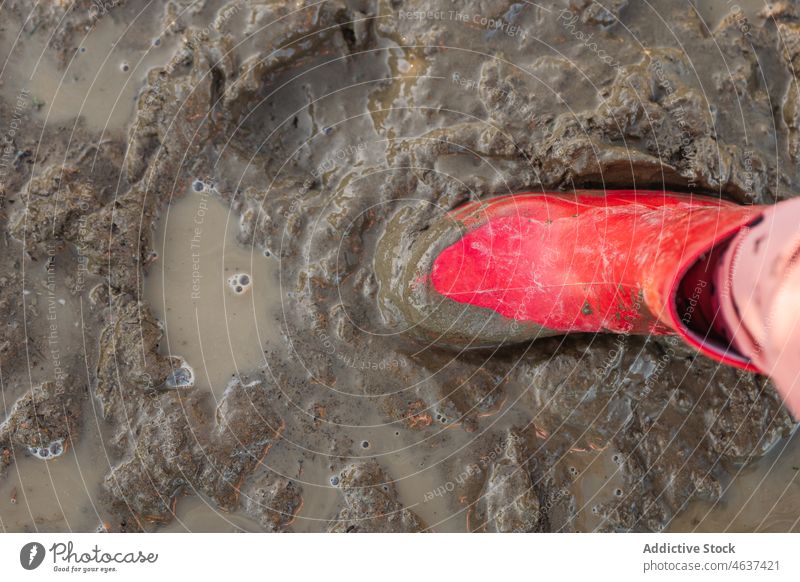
[{"x": 530, "y": 265}]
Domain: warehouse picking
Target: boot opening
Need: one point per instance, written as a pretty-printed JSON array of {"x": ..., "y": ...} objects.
[{"x": 698, "y": 307}]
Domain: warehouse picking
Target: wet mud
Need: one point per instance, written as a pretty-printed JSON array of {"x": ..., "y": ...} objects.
[{"x": 207, "y": 209}]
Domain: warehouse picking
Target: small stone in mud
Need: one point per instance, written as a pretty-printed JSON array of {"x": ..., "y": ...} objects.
[
  {"x": 125, "y": 67},
  {"x": 334, "y": 480},
  {"x": 183, "y": 377}
]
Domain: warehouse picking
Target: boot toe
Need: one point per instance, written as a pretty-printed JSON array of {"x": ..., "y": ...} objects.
[{"x": 410, "y": 279}]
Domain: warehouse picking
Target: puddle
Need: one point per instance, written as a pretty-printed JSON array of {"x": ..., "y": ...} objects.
[
  {"x": 59, "y": 494},
  {"x": 415, "y": 465},
  {"x": 598, "y": 482},
  {"x": 200, "y": 515},
  {"x": 321, "y": 498},
  {"x": 100, "y": 82},
  {"x": 220, "y": 329},
  {"x": 761, "y": 497}
]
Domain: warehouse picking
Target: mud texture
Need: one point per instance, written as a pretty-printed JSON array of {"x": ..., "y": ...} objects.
[{"x": 329, "y": 129}]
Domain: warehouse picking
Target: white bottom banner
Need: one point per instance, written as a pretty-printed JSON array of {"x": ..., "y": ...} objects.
[{"x": 399, "y": 557}]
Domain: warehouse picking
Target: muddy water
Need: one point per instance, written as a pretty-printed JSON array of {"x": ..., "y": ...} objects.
[
  {"x": 200, "y": 515},
  {"x": 219, "y": 301},
  {"x": 59, "y": 494},
  {"x": 325, "y": 150},
  {"x": 416, "y": 467},
  {"x": 600, "y": 483},
  {"x": 762, "y": 497},
  {"x": 100, "y": 80}
]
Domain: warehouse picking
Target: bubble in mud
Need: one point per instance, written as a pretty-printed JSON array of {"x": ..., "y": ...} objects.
[
  {"x": 124, "y": 67},
  {"x": 51, "y": 451},
  {"x": 156, "y": 41},
  {"x": 198, "y": 186},
  {"x": 595, "y": 509},
  {"x": 182, "y": 377},
  {"x": 573, "y": 471},
  {"x": 334, "y": 480},
  {"x": 327, "y": 130},
  {"x": 239, "y": 283},
  {"x": 618, "y": 492},
  {"x": 83, "y": 49},
  {"x": 617, "y": 458},
  {"x": 364, "y": 444}
]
